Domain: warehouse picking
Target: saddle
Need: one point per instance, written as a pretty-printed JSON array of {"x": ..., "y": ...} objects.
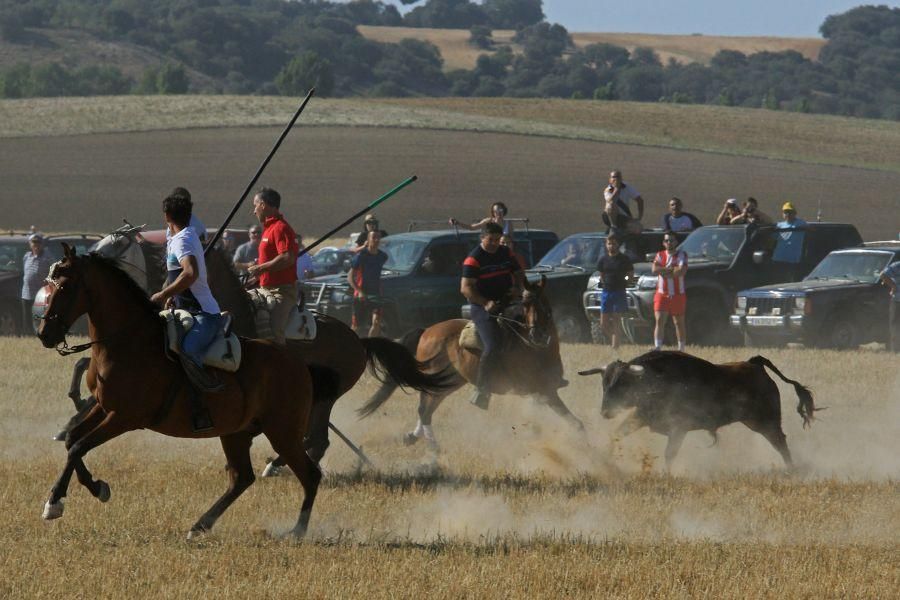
[
  {"x": 301, "y": 323},
  {"x": 225, "y": 351},
  {"x": 469, "y": 338}
]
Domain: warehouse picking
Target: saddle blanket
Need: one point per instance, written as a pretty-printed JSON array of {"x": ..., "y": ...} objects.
[
  {"x": 301, "y": 323},
  {"x": 224, "y": 353},
  {"x": 469, "y": 338}
]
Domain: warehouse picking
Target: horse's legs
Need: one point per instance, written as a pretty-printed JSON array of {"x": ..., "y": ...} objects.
[
  {"x": 75, "y": 386},
  {"x": 109, "y": 427},
  {"x": 553, "y": 400},
  {"x": 316, "y": 440},
  {"x": 428, "y": 403},
  {"x": 240, "y": 473},
  {"x": 287, "y": 444},
  {"x": 676, "y": 437}
]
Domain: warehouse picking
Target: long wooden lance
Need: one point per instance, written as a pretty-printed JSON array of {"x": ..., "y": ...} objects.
[
  {"x": 375, "y": 203},
  {"x": 259, "y": 172}
]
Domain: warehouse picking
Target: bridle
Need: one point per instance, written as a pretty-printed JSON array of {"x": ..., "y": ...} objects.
[
  {"x": 524, "y": 332},
  {"x": 63, "y": 347}
]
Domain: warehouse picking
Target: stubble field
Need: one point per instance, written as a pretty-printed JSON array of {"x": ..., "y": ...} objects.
[{"x": 514, "y": 505}]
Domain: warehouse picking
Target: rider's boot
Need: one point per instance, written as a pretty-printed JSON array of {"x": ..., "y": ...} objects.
[
  {"x": 482, "y": 396},
  {"x": 200, "y": 419}
]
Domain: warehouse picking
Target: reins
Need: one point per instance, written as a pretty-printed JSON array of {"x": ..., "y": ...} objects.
[{"x": 516, "y": 327}]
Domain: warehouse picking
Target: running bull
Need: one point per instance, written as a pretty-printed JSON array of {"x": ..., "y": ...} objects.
[{"x": 674, "y": 393}]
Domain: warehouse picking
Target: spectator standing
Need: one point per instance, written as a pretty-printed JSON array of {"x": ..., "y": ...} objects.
[
  {"x": 365, "y": 279},
  {"x": 729, "y": 211},
  {"x": 615, "y": 268},
  {"x": 247, "y": 253},
  {"x": 891, "y": 278},
  {"x": 370, "y": 224},
  {"x": 678, "y": 220},
  {"x": 277, "y": 261},
  {"x": 622, "y": 195},
  {"x": 750, "y": 213},
  {"x": 669, "y": 266},
  {"x": 790, "y": 246},
  {"x": 305, "y": 267},
  {"x": 497, "y": 216},
  {"x": 35, "y": 268}
]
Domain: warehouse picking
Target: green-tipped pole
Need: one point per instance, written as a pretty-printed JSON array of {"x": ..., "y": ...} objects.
[{"x": 359, "y": 214}]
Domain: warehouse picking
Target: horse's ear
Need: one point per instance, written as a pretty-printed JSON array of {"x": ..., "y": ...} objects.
[
  {"x": 592, "y": 371},
  {"x": 68, "y": 251}
]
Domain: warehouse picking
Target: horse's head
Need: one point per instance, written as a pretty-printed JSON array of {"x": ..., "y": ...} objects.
[
  {"x": 538, "y": 315},
  {"x": 68, "y": 298}
]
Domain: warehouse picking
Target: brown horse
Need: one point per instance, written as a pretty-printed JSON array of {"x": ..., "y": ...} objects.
[
  {"x": 529, "y": 364},
  {"x": 336, "y": 351},
  {"x": 137, "y": 387}
]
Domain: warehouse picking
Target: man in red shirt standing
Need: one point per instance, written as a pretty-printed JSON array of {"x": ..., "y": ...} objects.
[
  {"x": 276, "y": 266},
  {"x": 669, "y": 266}
]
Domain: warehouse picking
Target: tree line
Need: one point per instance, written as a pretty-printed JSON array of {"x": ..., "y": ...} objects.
[{"x": 282, "y": 47}]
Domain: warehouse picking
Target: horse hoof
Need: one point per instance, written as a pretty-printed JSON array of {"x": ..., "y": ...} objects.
[
  {"x": 53, "y": 511},
  {"x": 61, "y": 436},
  {"x": 271, "y": 470},
  {"x": 409, "y": 439},
  {"x": 196, "y": 534},
  {"x": 104, "y": 493}
]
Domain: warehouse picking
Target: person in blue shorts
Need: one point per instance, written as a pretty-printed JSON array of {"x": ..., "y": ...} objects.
[{"x": 615, "y": 268}]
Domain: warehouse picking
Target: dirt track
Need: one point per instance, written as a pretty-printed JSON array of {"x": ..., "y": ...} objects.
[{"x": 92, "y": 181}]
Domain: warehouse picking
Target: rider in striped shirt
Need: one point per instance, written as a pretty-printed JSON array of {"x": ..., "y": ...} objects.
[{"x": 669, "y": 266}]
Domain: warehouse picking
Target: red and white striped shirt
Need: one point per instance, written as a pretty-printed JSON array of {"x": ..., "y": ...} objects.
[{"x": 670, "y": 285}]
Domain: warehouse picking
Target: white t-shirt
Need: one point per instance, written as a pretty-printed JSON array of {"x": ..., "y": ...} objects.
[
  {"x": 682, "y": 223},
  {"x": 627, "y": 194},
  {"x": 195, "y": 223},
  {"x": 186, "y": 243}
]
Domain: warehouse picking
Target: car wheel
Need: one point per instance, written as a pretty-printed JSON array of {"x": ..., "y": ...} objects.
[
  {"x": 9, "y": 319},
  {"x": 843, "y": 335},
  {"x": 570, "y": 326}
]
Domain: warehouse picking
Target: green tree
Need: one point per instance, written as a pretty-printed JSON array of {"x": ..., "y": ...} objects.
[
  {"x": 513, "y": 14},
  {"x": 172, "y": 79},
  {"x": 304, "y": 72}
]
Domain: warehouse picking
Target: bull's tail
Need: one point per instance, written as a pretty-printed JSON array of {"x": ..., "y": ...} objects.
[
  {"x": 395, "y": 365},
  {"x": 806, "y": 407}
]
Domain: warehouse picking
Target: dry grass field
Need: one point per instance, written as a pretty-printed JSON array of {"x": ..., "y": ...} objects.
[
  {"x": 459, "y": 54},
  {"x": 514, "y": 505}
]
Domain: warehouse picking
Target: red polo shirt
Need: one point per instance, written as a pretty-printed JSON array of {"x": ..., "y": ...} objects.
[{"x": 277, "y": 238}]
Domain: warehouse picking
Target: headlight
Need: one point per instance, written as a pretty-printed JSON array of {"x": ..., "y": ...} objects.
[
  {"x": 742, "y": 302},
  {"x": 647, "y": 282},
  {"x": 593, "y": 281},
  {"x": 800, "y": 303}
]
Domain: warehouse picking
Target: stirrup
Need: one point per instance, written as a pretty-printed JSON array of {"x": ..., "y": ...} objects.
[
  {"x": 201, "y": 421},
  {"x": 481, "y": 399}
]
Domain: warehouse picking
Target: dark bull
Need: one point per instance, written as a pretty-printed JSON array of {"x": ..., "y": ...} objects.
[{"x": 674, "y": 393}]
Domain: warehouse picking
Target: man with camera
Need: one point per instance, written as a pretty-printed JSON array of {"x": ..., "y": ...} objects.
[
  {"x": 619, "y": 197},
  {"x": 750, "y": 213}
]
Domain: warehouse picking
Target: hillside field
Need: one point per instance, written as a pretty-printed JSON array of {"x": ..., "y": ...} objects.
[
  {"x": 459, "y": 54},
  {"x": 344, "y": 154},
  {"x": 514, "y": 505}
]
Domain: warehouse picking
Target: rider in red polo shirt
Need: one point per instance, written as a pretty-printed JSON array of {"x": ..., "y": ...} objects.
[{"x": 276, "y": 266}]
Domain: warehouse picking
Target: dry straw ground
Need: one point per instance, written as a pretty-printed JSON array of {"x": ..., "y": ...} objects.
[
  {"x": 515, "y": 505},
  {"x": 459, "y": 54}
]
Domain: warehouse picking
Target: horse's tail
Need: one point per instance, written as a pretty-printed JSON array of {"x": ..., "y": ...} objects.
[
  {"x": 806, "y": 407},
  {"x": 394, "y": 365}
]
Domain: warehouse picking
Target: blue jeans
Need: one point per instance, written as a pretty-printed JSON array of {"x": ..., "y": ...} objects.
[
  {"x": 201, "y": 335},
  {"x": 488, "y": 330}
]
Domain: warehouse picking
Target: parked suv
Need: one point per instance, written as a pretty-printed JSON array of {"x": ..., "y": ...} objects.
[
  {"x": 420, "y": 280},
  {"x": 12, "y": 250},
  {"x": 840, "y": 304},
  {"x": 723, "y": 259}
]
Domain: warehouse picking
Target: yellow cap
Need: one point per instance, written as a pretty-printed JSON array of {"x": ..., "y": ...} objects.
[{"x": 788, "y": 207}]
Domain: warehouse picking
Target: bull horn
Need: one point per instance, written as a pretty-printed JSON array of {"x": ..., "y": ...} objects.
[
  {"x": 636, "y": 369},
  {"x": 593, "y": 371}
]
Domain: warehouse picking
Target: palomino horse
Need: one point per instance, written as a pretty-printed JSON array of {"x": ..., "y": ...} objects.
[
  {"x": 137, "y": 387},
  {"x": 529, "y": 363},
  {"x": 336, "y": 348}
]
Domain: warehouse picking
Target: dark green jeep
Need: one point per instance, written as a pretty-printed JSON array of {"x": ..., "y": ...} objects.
[{"x": 421, "y": 279}]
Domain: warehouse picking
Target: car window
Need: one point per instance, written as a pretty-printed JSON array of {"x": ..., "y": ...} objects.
[
  {"x": 854, "y": 266},
  {"x": 576, "y": 251},
  {"x": 403, "y": 254},
  {"x": 715, "y": 243},
  {"x": 444, "y": 259},
  {"x": 11, "y": 256}
]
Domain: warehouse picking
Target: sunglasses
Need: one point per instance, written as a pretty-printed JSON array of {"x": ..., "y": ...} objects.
[{"x": 670, "y": 241}]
